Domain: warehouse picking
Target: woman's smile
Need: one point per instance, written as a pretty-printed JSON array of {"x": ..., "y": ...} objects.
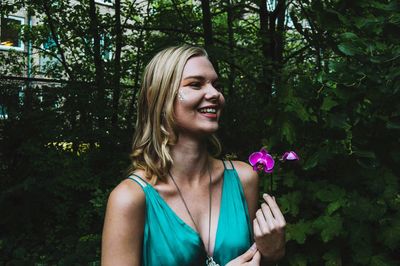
[{"x": 209, "y": 111}]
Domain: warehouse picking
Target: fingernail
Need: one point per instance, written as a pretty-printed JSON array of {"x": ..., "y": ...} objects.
[
  {"x": 265, "y": 196},
  {"x": 253, "y": 247},
  {"x": 273, "y": 198}
]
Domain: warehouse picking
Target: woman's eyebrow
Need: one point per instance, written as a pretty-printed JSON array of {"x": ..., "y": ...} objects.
[
  {"x": 199, "y": 78},
  {"x": 194, "y": 77}
]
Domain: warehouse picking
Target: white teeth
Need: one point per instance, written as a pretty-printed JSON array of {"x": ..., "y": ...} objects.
[{"x": 208, "y": 110}]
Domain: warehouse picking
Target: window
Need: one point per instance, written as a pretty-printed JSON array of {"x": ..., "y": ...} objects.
[
  {"x": 10, "y": 99},
  {"x": 105, "y": 2},
  {"x": 105, "y": 46},
  {"x": 49, "y": 43},
  {"x": 46, "y": 61},
  {"x": 106, "y": 49},
  {"x": 10, "y": 33},
  {"x": 3, "y": 112}
]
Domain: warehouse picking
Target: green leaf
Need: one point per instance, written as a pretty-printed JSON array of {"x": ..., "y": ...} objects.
[
  {"x": 338, "y": 120},
  {"x": 330, "y": 193},
  {"x": 298, "y": 109},
  {"x": 321, "y": 77},
  {"x": 289, "y": 179},
  {"x": 298, "y": 259},
  {"x": 334, "y": 206},
  {"x": 393, "y": 125},
  {"x": 381, "y": 260},
  {"x": 390, "y": 234},
  {"x": 288, "y": 132},
  {"x": 347, "y": 49},
  {"x": 332, "y": 258},
  {"x": 312, "y": 161},
  {"x": 349, "y": 36},
  {"x": 328, "y": 104},
  {"x": 289, "y": 202},
  {"x": 364, "y": 154},
  {"x": 298, "y": 231},
  {"x": 330, "y": 226},
  {"x": 391, "y": 6}
]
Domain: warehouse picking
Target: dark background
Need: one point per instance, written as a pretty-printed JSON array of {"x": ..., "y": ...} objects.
[{"x": 318, "y": 77}]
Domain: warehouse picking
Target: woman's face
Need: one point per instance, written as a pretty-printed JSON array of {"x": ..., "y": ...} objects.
[{"x": 199, "y": 103}]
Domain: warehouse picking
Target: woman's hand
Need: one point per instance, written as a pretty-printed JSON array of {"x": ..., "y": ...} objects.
[
  {"x": 251, "y": 257},
  {"x": 269, "y": 230}
]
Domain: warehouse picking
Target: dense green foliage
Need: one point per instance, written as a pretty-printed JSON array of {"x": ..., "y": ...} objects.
[{"x": 325, "y": 83}]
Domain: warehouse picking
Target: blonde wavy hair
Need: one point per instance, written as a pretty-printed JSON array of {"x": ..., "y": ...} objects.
[{"x": 156, "y": 129}]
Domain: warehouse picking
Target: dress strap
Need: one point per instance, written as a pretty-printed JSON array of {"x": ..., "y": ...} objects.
[
  {"x": 138, "y": 180},
  {"x": 227, "y": 166},
  {"x": 223, "y": 162}
]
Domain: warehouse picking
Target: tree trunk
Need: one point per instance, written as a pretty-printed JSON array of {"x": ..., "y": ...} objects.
[
  {"x": 231, "y": 42},
  {"x": 138, "y": 66},
  {"x": 117, "y": 64},
  {"x": 98, "y": 63},
  {"x": 271, "y": 30},
  {"x": 279, "y": 41},
  {"x": 208, "y": 32},
  {"x": 266, "y": 82}
]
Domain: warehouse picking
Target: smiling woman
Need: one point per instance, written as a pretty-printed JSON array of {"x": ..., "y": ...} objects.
[
  {"x": 199, "y": 103},
  {"x": 180, "y": 205}
]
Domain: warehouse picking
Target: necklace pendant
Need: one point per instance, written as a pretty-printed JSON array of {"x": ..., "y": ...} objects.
[{"x": 210, "y": 261}]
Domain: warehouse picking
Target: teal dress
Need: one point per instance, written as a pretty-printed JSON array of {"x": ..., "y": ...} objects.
[{"x": 168, "y": 240}]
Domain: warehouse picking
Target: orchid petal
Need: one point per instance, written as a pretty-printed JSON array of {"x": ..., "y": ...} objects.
[
  {"x": 255, "y": 157},
  {"x": 264, "y": 152},
  {"x": 268, "y": 162},
  {"x": 268, "y": 171},
  {"x": 290, "y": 156}
]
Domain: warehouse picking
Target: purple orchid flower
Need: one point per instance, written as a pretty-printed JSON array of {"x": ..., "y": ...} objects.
[
  {"x": 261, "y": 160},
  {"x": 290, "y": 156}
]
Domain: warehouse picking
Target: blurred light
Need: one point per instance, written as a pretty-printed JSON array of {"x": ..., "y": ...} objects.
[{"x": 7, "y": 43}]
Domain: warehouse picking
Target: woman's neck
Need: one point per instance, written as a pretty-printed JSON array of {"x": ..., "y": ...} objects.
[{"x": 191, "y": 160}]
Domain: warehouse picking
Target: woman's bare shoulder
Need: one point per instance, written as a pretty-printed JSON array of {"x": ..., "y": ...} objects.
[
  {"x": 246, "y": 173},
  {"x": 124, "y": 224},
  {"x": 249, "y": 179},
  {"x": 127, "y": 195}
]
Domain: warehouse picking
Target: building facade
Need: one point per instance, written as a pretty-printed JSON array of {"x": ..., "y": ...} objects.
[
  {"x": 11, "y": 41},
  {"x": 21, "y": 63}
]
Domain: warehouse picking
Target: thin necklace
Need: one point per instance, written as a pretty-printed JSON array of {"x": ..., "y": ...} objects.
[{"x": 210, "y": 261}]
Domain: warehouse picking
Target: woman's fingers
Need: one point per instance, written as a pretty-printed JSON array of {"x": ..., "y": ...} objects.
[
  {"x": 262, "y": 222},
  {"x": 268, "y": 216},
  {"x": 256, "y": 228},
  {"x": 276, "y": 212},
  {"x": 248, "y": 255},
  {"x": 256, "y": 259}
]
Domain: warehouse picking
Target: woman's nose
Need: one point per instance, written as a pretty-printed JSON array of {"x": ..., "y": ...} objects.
[{"x": 212, "y": 92}]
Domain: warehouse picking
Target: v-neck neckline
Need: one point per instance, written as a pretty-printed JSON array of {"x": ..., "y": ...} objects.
[{"x": 191, "y": 229}]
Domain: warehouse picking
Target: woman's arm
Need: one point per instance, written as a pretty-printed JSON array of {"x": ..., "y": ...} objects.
[
  {"x": 268, "y": 221},
  {"x": 123, "y": 225}
]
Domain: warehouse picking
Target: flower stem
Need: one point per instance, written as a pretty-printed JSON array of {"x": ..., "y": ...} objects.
[{"x": 270, "y": 183}]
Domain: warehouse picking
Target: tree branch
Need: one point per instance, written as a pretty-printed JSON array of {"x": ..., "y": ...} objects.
[{"x": 56, "y": 40}]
